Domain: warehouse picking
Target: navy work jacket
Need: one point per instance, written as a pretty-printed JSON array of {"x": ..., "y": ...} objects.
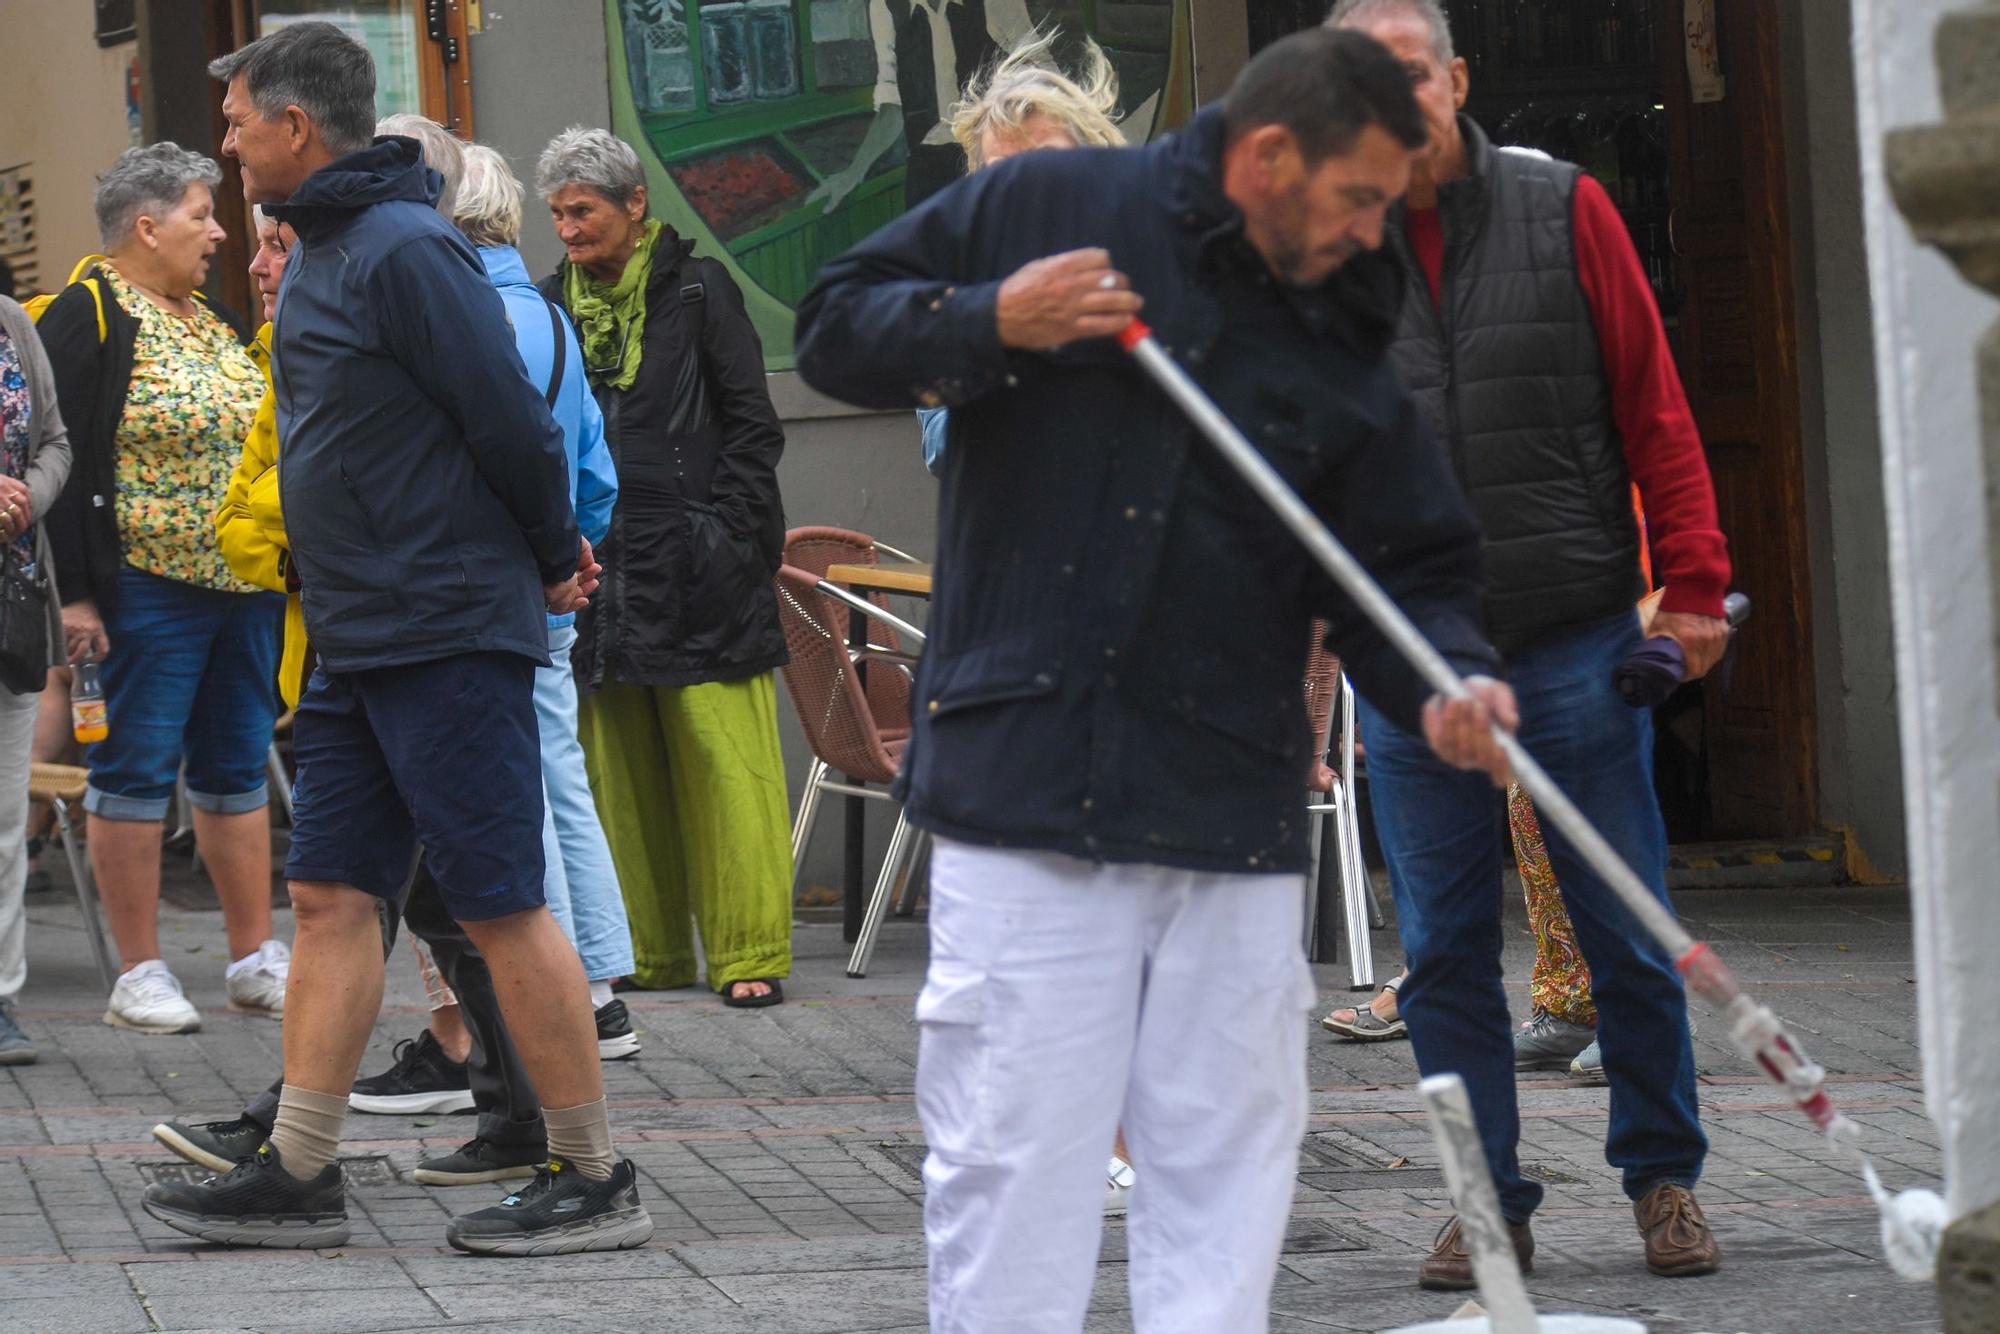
[
  {"x": 424, "y": 483},
  {"x": 1120, "y": 627}
]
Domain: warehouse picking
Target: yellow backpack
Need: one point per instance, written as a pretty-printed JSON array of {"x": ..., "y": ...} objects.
[{"x": 35, "y": 305}]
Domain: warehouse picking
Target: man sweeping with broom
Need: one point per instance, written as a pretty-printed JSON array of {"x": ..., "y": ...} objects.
[{"x": 1110, "y": 739}]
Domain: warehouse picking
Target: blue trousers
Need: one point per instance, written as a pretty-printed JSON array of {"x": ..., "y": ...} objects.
[
  {"x": 581, "y": 884},
  {"x": 1444, "y": 834}
]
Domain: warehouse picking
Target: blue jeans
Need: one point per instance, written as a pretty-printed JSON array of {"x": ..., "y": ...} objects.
[
  {"x": 1444, "y": 834},
  {"x": 581, "y": 886},
  {"x": 191, "y": 678}
]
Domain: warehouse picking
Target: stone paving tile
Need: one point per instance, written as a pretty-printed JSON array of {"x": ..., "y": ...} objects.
[{"x": 767, "y": 1143}]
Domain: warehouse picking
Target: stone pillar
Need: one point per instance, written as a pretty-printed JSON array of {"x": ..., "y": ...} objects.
[{"x": 1946, "y": 180}]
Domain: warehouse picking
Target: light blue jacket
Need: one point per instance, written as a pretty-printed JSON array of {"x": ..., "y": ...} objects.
[
  {"x": 934, "y": 423},
  {"x": 593, "y": 480}
]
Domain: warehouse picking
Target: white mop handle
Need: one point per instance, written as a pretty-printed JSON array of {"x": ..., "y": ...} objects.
[
  {"x": 1550, "y": 802},
  {"x": 1494, "y": 1264}
]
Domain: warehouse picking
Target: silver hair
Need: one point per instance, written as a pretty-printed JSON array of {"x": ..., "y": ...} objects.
[
  {"x": 153, "y": 179},
  {"x": 1354, "y": 13},
  {"x": 489, "y": 199},
  {"x": 444, "y": 152},
  {"x": 597, "y": 159},
  {"x": 315, "y": 67},
  {"x": 1001, "y": 98}
]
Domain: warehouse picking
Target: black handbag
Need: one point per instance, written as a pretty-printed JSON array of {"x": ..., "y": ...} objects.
[{"x": 24, "y": 627}]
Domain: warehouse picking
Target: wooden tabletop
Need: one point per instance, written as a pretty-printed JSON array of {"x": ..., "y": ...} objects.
[{"x": 911, "y": 577}]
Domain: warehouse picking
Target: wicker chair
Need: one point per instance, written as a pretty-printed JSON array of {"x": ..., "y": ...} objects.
[
  {"x": 61, "y": 786},
  {"x": 854, "y": 730},
  {"x": 1330, "y": 792}
]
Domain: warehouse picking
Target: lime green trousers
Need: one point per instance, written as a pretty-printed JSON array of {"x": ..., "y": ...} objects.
[{"x": 690, "y": 785}]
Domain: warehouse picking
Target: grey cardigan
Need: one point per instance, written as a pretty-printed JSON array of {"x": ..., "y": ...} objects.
[{"x": 48, "y": 453}]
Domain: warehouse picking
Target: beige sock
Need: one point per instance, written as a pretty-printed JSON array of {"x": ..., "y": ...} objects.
[
  {"x": 581, "y": 1138},
  {"x": 306, "y": 1133}
]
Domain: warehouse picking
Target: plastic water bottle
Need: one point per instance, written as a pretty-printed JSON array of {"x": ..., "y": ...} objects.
[{"x": 86, "y": 704}]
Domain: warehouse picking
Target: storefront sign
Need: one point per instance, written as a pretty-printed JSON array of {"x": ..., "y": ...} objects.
[{"x": 1704, "y": 55}]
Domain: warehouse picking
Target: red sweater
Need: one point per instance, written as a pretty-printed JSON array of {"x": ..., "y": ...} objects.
[{"x": 1662, "y": 448}]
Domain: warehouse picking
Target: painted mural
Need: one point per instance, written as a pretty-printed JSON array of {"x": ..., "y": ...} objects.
[{"x": 777, "y": 133}]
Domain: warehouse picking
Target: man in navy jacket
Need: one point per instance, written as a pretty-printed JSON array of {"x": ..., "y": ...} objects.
[
  {"x": 426, "y": 498},
  {"x": 1110, "y": 742}
]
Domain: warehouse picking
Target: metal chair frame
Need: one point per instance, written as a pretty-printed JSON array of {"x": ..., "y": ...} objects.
[
  {"x": 48, "y": 783},
  {"x": 905, "y": 844}
]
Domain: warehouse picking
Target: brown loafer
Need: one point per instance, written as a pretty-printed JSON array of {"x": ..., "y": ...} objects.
[
  {"x": 1679, "y": 1243},
  {"x": 1448, "y": 1268}
]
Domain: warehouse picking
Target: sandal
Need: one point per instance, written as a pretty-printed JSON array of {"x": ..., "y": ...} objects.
[
  {"x": 1362, "y": 1024},
  {"x": 735, "y": 1002}
]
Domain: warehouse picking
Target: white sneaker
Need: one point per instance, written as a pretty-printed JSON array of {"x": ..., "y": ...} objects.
[
  {"x": 149, "y": 1000},
  {"x": 257, "y": 981},
  {"x": 1118, "y": 1179}
]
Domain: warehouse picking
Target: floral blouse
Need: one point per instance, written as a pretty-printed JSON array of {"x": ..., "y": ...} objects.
[
  {"x": 16, "y": 410},
  {"x": 192, "y": 397}
]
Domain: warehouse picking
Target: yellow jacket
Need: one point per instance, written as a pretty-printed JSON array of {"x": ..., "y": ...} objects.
[{"x": 250, "y": 526}]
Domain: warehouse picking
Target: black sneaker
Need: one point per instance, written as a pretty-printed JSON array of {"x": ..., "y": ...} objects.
[
  {"x": 216, "y": 1145},
  {"x": 615, "y": 1038},
  {"x": 258, "y": 1204},
  {"x": 423, "y": 1079},
  {"x": 559, "y": 1213},
  {"x": 478, "y": 1161}
]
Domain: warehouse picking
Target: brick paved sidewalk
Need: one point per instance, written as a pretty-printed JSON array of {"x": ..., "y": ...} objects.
[{"x": 779, "y": 1152}]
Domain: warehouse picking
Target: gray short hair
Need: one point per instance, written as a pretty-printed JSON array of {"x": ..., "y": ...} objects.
[
  {"x": 1354, "y": 13},
  {"x": 153, "y": 179},
  {"x": 444, "y": 152},
  {"x": 598, "y": 159},
  {"x": 315, "y": 67},
  {"x": 489, "y": 199}
]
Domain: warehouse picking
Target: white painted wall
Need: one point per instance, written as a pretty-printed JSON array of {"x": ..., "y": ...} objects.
[{"x": 1927, "y": 323}]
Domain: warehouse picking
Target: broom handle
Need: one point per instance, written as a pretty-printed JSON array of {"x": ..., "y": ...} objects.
[{"x": 1551, "y": 804}]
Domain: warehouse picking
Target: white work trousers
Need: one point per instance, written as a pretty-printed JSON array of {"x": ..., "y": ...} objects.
[{"x": 1065, "y": 998}]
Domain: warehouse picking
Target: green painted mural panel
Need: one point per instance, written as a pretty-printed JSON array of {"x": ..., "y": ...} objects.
[{"x": 774, "y": 133}]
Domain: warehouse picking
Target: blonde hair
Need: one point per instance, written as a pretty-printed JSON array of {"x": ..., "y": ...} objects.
[
  {"x": 489, "y": 199},
  {"x": 1003, "y": 97}
]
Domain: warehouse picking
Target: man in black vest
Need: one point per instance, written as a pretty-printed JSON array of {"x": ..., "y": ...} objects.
[
  {"x": 925, "y": 52},
  {"x": 1530, "y": 339}
]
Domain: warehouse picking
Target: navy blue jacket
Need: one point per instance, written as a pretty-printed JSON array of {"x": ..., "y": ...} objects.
[
  {"x": 424, "y": 483},
  {"x": 1120, "y": 628}
]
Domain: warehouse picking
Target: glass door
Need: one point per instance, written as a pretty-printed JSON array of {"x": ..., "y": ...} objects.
[{"x": 419, "y": 48}]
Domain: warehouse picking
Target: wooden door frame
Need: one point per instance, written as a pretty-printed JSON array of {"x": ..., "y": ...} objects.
[{"x": 1750, "y": 42}]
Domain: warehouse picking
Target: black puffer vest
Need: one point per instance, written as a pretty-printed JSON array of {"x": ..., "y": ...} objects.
[{"x": 1507, "y": 369}]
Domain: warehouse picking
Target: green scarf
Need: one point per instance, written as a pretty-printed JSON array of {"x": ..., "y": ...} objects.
[{"x": 611, "y": 317}]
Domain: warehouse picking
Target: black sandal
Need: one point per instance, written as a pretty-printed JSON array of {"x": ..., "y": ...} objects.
[{"x": 734, "y": 1002}]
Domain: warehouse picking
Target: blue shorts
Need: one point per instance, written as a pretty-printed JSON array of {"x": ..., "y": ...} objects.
[
  {"x": 191, "y": 679},
  {"x": 446, "y": 753}
]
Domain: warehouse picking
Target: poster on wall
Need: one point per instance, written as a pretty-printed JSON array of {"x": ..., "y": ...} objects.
[
  {"x": 1704, "y": 53},
  {"x": 776, "y": 133}
]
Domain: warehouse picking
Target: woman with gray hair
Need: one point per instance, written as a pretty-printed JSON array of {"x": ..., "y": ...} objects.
[
  {"x": 158, "y": 391},
  {"x": 581, "y": 882},
  {"x": 676, "y": 655}
]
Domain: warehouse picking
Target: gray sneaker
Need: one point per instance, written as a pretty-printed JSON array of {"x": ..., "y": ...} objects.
[
  {"x": 1589, "y": 1065},
  {"x": 15, "y": 1048},
  {"x": 1548, "y": 1043}
]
